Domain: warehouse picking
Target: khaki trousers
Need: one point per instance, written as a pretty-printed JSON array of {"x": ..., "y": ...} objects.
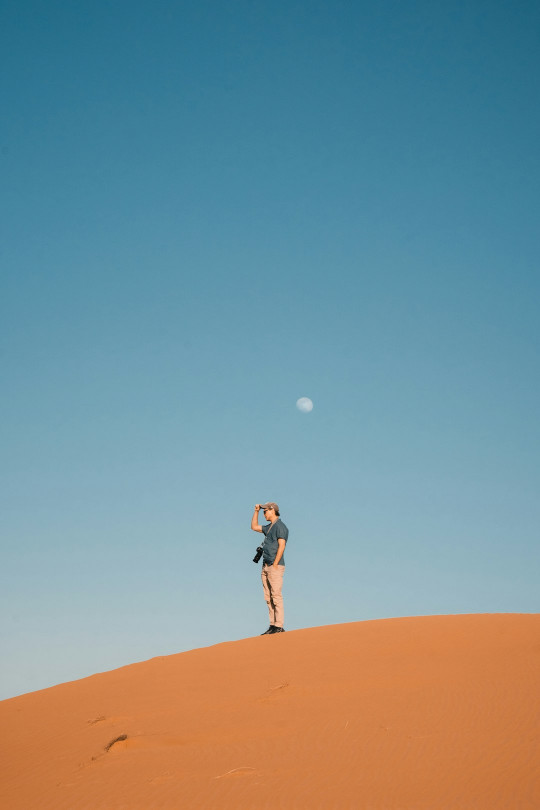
[{"x": 272, "y": 580}]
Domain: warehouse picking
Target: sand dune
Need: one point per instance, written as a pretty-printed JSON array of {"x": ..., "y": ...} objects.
[{"x": 423, "y": 713}]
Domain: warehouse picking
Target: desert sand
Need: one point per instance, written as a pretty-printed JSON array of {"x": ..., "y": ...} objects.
[{"x": 424, "y": 713}]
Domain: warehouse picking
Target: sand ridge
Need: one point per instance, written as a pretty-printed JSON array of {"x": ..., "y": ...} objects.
[{"x": 424, "y": 713}]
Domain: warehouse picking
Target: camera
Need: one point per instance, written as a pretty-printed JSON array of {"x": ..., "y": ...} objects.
[{"x": 258, "y": 554}]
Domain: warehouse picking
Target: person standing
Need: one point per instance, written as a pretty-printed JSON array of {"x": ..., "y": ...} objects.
[{"x": 275, "y": 538}]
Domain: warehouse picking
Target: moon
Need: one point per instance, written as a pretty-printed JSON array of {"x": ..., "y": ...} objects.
[{"x": 304, "y": 404}]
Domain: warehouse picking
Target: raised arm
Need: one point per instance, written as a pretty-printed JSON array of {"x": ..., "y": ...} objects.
[{"x": 255, "y": 519}]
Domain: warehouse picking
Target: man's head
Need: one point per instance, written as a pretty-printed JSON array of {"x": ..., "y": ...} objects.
[{"x": 271, "y": 510}]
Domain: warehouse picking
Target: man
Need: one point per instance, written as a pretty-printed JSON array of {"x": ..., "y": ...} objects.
[{"x": 275, "y": 537}]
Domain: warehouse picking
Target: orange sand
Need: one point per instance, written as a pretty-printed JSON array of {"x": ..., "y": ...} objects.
[{"x": 423, "y": 713}]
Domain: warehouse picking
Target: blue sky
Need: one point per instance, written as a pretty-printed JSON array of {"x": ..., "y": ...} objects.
[{"x": 210, "y": 210}]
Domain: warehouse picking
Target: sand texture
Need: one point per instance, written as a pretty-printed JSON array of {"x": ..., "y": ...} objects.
[{"x": 426, "y": 713}]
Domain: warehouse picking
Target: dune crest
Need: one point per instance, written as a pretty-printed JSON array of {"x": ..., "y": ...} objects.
[{"x": 425, "y": 713}]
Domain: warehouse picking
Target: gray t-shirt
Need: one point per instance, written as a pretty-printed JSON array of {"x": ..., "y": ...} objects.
[{"x": 273, "y": 531}]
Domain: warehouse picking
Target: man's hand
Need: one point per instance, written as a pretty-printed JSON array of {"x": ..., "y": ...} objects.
[{"x": 257, "y": 507}]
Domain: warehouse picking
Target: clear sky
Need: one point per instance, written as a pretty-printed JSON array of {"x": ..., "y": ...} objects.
[{"x": 210, "y": 210}]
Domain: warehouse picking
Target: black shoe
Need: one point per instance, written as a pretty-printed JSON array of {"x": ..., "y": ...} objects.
[
  {"x": 275, "y": 629},
  {"x": 270, "y": 630}
]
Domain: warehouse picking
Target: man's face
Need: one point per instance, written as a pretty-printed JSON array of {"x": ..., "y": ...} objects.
[{"x": 269, "y": 514}]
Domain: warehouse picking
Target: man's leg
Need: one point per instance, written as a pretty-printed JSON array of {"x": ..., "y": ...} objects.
[
  {"x": 275, "y": 583},
  {"x": 267, "y": 593}
]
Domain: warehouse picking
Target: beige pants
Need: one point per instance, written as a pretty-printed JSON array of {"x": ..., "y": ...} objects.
[{"x": 272, "y": 580}]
